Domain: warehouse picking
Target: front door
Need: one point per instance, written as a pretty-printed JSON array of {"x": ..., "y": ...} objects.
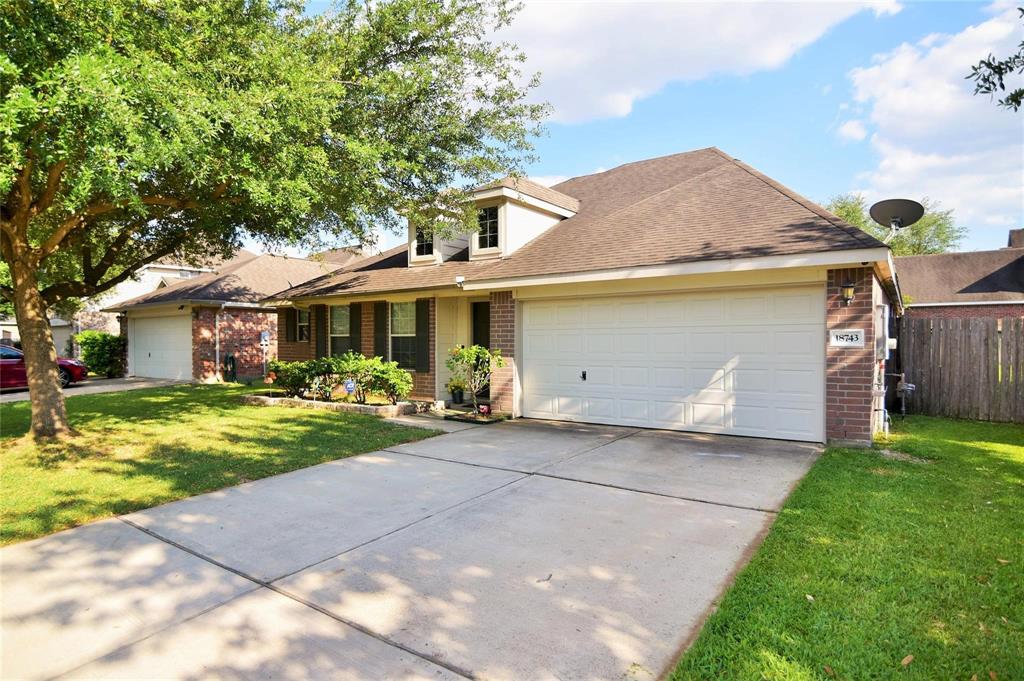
[{"x": 481, "y": 320}]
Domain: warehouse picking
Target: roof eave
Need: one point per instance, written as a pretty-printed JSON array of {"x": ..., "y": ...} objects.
[{"x": 880, "y": 256}]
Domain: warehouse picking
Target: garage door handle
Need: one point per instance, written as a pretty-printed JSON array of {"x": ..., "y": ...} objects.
[{"x": 583, "y": 375}]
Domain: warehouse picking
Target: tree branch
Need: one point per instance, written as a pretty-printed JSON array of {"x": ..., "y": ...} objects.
[
  {"x": 79, "y": 289},
  {"x": 53, "y": 178}
]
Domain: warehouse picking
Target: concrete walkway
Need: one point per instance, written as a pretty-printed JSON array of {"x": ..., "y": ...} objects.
[
  {"x": 92, "y": 386},
  {"x": 515, "y": 551}
]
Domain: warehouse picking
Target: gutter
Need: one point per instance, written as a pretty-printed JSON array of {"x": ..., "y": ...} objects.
[
  {"x": 195, "y": 303},
  {"x": 967, "y": 303}
]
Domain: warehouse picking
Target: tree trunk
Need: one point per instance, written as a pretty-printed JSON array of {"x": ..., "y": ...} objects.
[{"x": 49, "y": 415}]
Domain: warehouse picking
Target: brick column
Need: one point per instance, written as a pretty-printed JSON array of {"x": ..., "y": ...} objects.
[
  {"x": 849, "y": 371},
  {"x": 204, "y": 366},
  {"x": 503, "y": 337}
]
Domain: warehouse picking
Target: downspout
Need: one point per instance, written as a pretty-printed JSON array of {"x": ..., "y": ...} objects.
[{"x": 216, "y": 335}]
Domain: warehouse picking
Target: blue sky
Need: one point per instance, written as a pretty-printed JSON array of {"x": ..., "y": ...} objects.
[{"x": 825, "y": 97}]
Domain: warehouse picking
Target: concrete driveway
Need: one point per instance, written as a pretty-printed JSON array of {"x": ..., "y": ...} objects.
[
  {"x": 92, "y": 386},
  {"x": 518, "y": 551}
]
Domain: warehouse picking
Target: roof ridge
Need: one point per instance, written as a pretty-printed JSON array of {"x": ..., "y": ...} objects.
[
  {"x": 637, "y": 162},
  {"x": 805, "y": 203}
]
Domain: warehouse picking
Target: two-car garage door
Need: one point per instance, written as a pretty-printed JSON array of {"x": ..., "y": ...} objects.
[
  {"x": 747, "y": 362},
  {"x": 160, "y": 347}
]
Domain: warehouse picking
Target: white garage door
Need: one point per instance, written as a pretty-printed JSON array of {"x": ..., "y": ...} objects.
[
  {"x": 742, "y": 362},
  {"x": 161, "y": 347}
]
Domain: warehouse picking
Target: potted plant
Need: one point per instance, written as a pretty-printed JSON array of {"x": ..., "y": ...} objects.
[
  {"x": 472, "y": 366},
  {"x": 457, "y": 387}
]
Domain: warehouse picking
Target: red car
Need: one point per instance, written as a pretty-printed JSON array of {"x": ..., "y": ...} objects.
[{"x": 12, "y": 369}]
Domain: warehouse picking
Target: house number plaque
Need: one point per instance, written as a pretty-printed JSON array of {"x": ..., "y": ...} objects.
[{"x": 846, "y": 338}]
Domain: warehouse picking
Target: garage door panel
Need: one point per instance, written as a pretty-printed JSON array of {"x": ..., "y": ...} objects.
[
  {"x": 161, "y": 347},
  {"x": 747, "y": 363}
]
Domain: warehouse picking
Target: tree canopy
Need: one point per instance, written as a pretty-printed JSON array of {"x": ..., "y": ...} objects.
[
  {"x": 130, "y": 130},
  {"x": 935, "y": 232}
]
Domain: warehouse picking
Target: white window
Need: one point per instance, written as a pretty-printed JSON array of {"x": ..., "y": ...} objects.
[
  {"x": 403, "y": 334},
  {"x": 487, "y": 235},
  {"x": 302, "y": 325},
  {"x": 339, "y": 330},
  {"x": 424, "y": 242}
]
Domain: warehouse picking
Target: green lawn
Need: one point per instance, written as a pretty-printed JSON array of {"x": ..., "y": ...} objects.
[
  {"x": 145, "y": 447},
  {"x": 901, "y": 558}
]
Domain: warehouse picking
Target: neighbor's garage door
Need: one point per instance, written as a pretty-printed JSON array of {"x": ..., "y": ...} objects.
[
  {"x": 161, "y": 347},
  {"x": 745, "y": 362}
]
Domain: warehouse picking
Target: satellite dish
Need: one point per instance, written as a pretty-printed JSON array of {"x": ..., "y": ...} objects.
[{"x": 896, "y": 213}]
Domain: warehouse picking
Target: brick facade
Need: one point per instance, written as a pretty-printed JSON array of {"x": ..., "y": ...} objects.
[
  {"x": 366, "y": 329},
  {"x": 850, "y": 371},
  {"x": 294, "y": 351},
  {"x": 239, "y": 336},
  {"x": 503, "y": 337},
  {"x": 966, "y": 311}
]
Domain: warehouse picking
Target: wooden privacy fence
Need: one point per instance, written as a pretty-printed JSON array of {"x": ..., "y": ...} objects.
[{"x": 965, "y": 368}]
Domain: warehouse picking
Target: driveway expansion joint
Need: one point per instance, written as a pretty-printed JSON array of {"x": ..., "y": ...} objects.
[
  {"x": 539, "y": 473},
  {"x": 266, "y": 585}
]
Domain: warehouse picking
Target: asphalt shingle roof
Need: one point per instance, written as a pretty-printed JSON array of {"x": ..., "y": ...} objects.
[
  {"x": 248, "y": 280},
  {"x": 693, "y": 206},
  {"x": 979, "y": 276}
]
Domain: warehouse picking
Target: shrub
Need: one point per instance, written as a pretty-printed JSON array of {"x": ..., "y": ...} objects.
[
  {"x": 472, "y": 366},
  {"x": 320, "y": 377},
  {"x": 388, "y": 380},
  {"x": 353, "y": 366},
  {"x": 102, "y": 352},
  {"x": 291, "y": 377}
]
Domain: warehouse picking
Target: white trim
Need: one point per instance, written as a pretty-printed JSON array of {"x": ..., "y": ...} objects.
[
  {"x": 971, "y": 303},
  {"x": 830, "y": 258},
  {"x": 522, "y": 197}
]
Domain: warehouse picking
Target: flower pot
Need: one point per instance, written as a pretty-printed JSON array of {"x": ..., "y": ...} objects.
[{"x": 457, "y": 396}]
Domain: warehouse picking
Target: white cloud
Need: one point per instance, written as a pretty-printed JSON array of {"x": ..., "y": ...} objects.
[
  {"x": 935, "y": 138},
  {"x": 597, "y": 59},
  {"x": 853, "y": 130}
]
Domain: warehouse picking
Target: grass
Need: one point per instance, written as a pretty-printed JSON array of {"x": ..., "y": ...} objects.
[
  {"x": 141, "y": 448},
  {"x": 901, "y": 558}
]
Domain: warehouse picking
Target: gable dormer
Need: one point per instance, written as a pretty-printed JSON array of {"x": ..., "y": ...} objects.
[{"x": 512, "y": 212}]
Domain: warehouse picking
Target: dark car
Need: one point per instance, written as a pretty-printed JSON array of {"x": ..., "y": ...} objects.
[{"x": 12, "y": 369}]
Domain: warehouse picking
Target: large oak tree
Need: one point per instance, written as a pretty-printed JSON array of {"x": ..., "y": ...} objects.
[{"x": 131, "y": 130}]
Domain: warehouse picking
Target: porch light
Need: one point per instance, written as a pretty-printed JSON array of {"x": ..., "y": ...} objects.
[{"x": 848, "y": 291}]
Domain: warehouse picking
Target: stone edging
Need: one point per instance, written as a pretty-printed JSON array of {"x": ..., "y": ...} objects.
[{"x": 384, "y": 410}]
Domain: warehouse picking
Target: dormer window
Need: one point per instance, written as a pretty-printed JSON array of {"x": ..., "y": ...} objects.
[
  {"x": 424, "y": 243},
  {"x": 487, "y": 235}
]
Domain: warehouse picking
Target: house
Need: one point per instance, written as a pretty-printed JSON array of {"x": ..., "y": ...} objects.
[
  {"x": 166, "y": 271},
  {"x": 977, "y": 284},
  {"x": 688, "y": 292},
  {"x": 61, "y": 329},
  {"x": 186, "y": 329}
]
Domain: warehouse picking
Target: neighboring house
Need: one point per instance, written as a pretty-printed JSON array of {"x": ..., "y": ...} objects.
[
  {"x": 163, "y": 272},
  {"x": 688, "y": 292},
  {"x": 62, "y": 331},
  {"x": 965, "y": 285},
  {"x": 187, "y": 329}
]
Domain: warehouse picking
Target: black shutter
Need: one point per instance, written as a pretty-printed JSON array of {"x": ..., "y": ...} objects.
[
  {"x": 423, "y": 334},
  {"x": 290, "y": 323},
  {"x": 355, "y": 327},
  {"x": 320, "y": 312},
  {"x": 380, "y": 330}
]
